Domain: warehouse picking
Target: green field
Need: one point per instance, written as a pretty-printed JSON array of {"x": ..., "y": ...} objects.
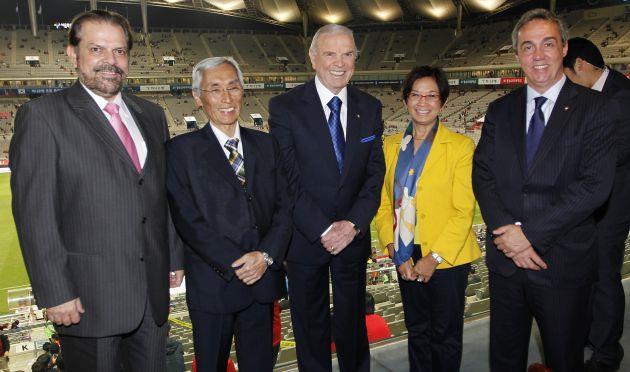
[{"x": 12, "y": 270}]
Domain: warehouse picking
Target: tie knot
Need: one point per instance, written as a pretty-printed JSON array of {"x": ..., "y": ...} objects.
[
  {"x": 111, "y": 108},
  {"x": 232, "y": 144},
  {"x": 334, "y": 104},
  {"x": 539, "y": 101}
]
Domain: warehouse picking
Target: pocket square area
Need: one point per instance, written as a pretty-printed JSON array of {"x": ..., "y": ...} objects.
[{"x": 368, "y": 139}]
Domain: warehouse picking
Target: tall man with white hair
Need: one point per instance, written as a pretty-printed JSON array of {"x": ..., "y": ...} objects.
[
  {"x": 230, "y": 204},
  {"x": 330, "y": 136},
  {"x": 544, "y": 164}
]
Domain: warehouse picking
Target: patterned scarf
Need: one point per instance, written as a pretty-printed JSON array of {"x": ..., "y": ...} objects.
[{"x": 408, "y": 169}]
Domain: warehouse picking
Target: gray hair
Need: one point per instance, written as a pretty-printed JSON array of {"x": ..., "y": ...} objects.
[
  {"x": 331, "y": 28},
  {"x": 209, "y": 64},
  {"x": 542, "y": 14}
]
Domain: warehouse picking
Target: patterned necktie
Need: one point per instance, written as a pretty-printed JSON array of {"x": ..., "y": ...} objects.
[
  {"x": 123, "y": 133},
  {"x": 336, "y": 131},
  {"x": 536, "y": 129},
  {"x": 236, "y": 160}
]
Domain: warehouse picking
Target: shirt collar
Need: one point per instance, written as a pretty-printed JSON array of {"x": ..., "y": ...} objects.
[
  {"x": 599, "y": 84},
  {"x": 102, "y": 102},
  {"x": 551, "y": 94},
  {"x": 222, "y": 137},
  {"x": 326, "y": 95}
]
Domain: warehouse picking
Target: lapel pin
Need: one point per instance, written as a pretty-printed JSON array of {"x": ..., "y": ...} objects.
[
  {"x": 358, "y": 116},
  {"x": 566, "y": 108}
]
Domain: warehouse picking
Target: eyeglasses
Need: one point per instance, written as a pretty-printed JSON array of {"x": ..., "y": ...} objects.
[
  {"x": 233, "y": 91},
  {"x": 431, "y": 97}
]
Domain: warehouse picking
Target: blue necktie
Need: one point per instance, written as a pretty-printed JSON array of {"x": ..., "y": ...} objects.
[
  {"x": 536, "y": 129},
  {"x": 336, "y": 132}
]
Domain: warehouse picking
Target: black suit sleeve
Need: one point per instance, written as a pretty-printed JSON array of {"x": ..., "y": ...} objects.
[
  {"x": 36, "y": 207},
  {"x": 308, "y": 217},
  {"x": 194, "y": 229},
  {"x": 484, "y": 180},
  {"x": 276, "y": 240},
  {"x": 588, "y": 191},
  {"x": 369, "y": 197}
]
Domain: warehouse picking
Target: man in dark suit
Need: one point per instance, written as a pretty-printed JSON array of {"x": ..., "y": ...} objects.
[
  {"x": 90, "y": 207},
  {"x": 584, "y": 65},
  {"x": 231, "y": 206},
  {"x": 330, "y": 136},
  {"x": 544, "y": 164}
]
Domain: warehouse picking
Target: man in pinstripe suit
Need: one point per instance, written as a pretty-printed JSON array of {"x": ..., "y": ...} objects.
[
  {"x": 545, "y": 162},
  {"x": 89, "y": 202}
]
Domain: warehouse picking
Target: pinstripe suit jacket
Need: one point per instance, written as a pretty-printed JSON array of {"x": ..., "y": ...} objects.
[
  {"x": 570, "y": 177},
  {"x": 89, "y": 225}
]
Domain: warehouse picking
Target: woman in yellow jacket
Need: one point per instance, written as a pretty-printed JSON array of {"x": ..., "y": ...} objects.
[{"x": 425, "y": 221}]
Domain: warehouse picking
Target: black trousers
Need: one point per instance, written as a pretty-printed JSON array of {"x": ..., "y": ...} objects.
[
  {"x": 434, "y": 317},
  {"x": 608, "y": 299},
  {"x": 144, "y": 349},
  {"x": 310, "y": 315},
  {"x": 251, "y": 328},
  {"x": 561, "y": 315}
]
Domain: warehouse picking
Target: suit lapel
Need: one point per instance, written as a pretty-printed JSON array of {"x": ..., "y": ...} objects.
[
  {"x": 438, "y": 149},
  {"x": 217, "y": 160},
  {"x": 87, "y": 109},
  {"x": 562, "y": 110},
  {"x": 353, "y": 129},
  {"x": 250, "y": 153},
  {"x": 519, "y": 127}
]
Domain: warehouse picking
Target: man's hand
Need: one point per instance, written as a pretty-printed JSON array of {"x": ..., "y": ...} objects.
[
  {"x": 425, "y": 268},
  {"x": 511, "y": 240},
  {"x": 175, "y": 278},
  {"x": 529, "y": 259},
  {"x": 406, "y": 271},
  {"x": 340, "y": 235},
  {"x": 67, "y": 313},
  {"x": 252, "y": 267}
]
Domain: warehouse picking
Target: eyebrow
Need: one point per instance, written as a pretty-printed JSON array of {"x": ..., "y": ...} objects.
[{"x": 545, "y": 39}]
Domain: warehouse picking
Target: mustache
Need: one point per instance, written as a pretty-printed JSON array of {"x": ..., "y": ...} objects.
[{"x": 109, "y": 68}]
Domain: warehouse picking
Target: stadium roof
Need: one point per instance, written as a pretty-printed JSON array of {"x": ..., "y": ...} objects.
[{"x": 287, "y": 14}]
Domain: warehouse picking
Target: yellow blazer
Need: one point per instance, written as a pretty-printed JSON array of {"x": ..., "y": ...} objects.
[{"x": 445, "y": 203}]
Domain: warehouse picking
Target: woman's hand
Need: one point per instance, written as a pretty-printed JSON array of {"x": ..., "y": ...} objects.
[
  {"x": 425, "y": 268},
  {"x": 390, "y": 250},
  {"x": 406, "y": 271}
]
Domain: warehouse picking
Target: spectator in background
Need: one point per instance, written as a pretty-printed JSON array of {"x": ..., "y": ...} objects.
[
  {"x": 425, "y": 222},
  {"x": 584, "y": 65},
  {"x": 174, "y": 354},
  {"x": 377, "y": 328},
  {"x": 5, "y": 346}
]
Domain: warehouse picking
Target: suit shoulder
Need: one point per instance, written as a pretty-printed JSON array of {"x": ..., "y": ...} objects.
[
  {"x": 289, "y": 95},
  {"x": 256, "y": 134},
  {"x": 144, "y": 103},
  {"x": 393, "y": 139},
  {"x": 365, "y": 97},
  {"x": 45, "y": 99},
  {"x": 508, "y": 98},
  {"x": 184, "y": 140}
]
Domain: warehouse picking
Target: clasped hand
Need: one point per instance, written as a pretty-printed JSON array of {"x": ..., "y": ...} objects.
[
  {"x": 511, "y": 240},
  {"x": 338, "y": 237},
  {"x": 251, "y": 267}
]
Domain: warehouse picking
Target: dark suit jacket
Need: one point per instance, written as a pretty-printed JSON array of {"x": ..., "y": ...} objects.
[
  {"x": 220, "y": 221},
  {"x": 322, "y": 196},
  {"x": 615, "y": 211},
  {"x": 571, "y": 176},
  {"x": 89, "y": 225}
]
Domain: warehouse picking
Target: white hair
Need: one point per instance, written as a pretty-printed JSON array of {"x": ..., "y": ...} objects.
[
  {"x": 209, "y": 64},
  {"x": 332, "y": 28}
]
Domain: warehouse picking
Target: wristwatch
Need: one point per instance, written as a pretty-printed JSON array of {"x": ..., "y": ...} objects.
[
  {"x": 268, "y": 259},
  {"x": 437, "y": 257}
]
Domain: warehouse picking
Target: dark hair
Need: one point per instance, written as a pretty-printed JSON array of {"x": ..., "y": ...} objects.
[
  {"x": 74, "y": 35},
  {"x": 420, "y": 72},
  {"x": 369, "y": 303},
  {"x": 580, "y": 47}
]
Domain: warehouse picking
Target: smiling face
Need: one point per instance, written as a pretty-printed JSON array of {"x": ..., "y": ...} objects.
[
  {"x": 333, "y": 60},
  {"x": 424, "y": 102},
  {"x": 101, "y": 58},
  {"x": 221, "y": 97},
  {"x": 540, "y": 51}
]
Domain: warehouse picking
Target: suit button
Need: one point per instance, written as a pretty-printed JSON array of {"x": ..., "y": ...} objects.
[
  {"x": 250, "y": 198},
  {"x": 144, "y": 220},
  {"x": 422, "y": 216},
  {"x": 141, "y": 259},
  {"x": 141, "y": 181},
  {"x": 255, "y": 227}
]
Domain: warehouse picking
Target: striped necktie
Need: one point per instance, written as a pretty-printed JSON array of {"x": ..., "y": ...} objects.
[
  {"x": 536, "y": 129},
  {"x": 236, "y": 160},
  {"x": 336, "y": 131}
]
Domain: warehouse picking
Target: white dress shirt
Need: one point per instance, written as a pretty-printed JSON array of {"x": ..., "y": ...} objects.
[
  {"x": 223, "y": 138},
  {"x": 326, "y": 95},
  {"x": 125, "y": 115},
  {"x": 599, "y": 84},
  {"x": 552, "y": 96}
]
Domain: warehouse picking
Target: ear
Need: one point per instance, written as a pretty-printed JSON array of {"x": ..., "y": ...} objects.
[
  {"x": 197, "y": 99},
  {"x": 312, "y": 55},
  {"x": 72, "y": 54}
]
